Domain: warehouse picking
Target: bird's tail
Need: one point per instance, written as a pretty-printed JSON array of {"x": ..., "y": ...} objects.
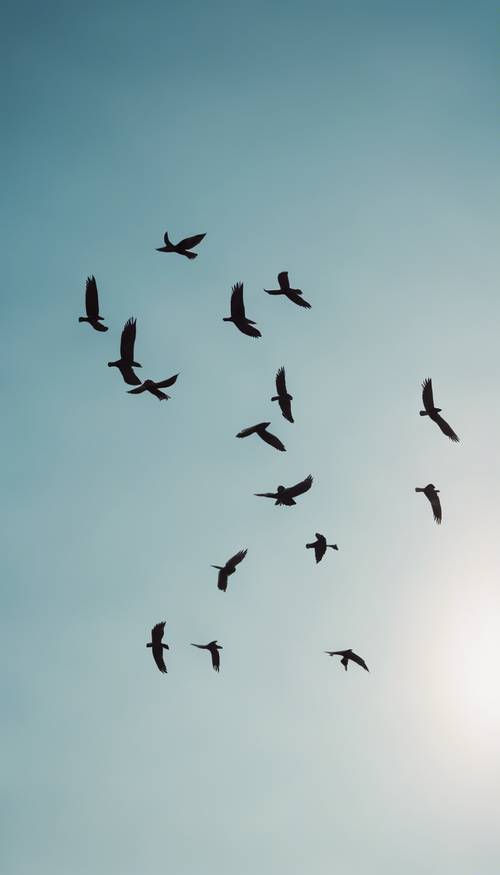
[
  {"x": 165, "y": 646},
  {"x": 333, "y": 546},
  {"x": 419, "y": 489},
  {"x": 227, "y": 319},
  {"x": 190, "y": 254},
  {"x": 82, "y": 319},
  {"x": 217, "y": 566},
  {"x": 136, "y": 365},
  {"x": 423, "y": 413},
  {"x": 275, "y": 398},
  {"x": 149, "y": 645},
  {"x": 309, "y": 546}
]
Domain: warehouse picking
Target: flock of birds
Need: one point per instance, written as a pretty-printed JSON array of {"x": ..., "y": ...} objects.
[{"x": 284, "y": 495}]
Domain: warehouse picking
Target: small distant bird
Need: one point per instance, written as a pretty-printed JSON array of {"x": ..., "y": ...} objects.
[
  {"x": 287, "y": 494},
  {"x": 433, "y": 412},
  {"x": 238, "y": 316},
  {"x": 214, "y": 650},
  {"x": 294, "y": 295},
  {"x": 126, "y": 361},
  {"x": 283, "y": 397},
  {"x": 319, "y": 546},
  {"x": 229, "y": 568},
  {"x": 157, "y": 646},
  {"x": 432, "y": 494},
  {"x": 92, "y": 306},
  {"x": 183, "y": 247},
  {"x": 261, "y": 430},
  {"x": 154, "y": 388},
  {"x": 346, "y": 656}
]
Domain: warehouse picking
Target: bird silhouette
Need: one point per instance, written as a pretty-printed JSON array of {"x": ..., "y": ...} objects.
[
  {"x": 261, "y": 430},
  {"x": 157, "y": 646},
  {"x": 432, "y": 494},
  {"x": 294, "y": 295},
  {"x": 283, "y": 398},
  {"x": 287, "y": 494},
  {"x": 214, "y": 648},
  {"x": 154, "y": 388},
  {"x": 126, "y": 361},
  {"x": 238, "y": 316},
  {"x": 319, "y": 546},
  {"x": 92, "y": 306},
  {"x": 183, "y": 246},
  {"x": 433, "y": 412},
  {"x": 229, "y": 568},
  {"x": 346, "y": 656}
]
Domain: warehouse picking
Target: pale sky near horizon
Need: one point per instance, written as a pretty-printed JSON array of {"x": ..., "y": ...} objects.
[{"x": 354, "y": 144}]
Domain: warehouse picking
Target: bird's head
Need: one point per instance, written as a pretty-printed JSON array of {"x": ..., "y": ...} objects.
[{"x": 280, "y": 489}]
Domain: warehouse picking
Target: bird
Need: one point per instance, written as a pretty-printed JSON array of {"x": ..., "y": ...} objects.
[
  {"x": 229, "y": 568},
  {"x": 214, "y": 650},
  {"x": 433, "y": 412},
  {"x": 157, "y": 646},
  {"x": 432, "y": 494},
  {"x": 126, "y": 361},
  {"x": 294, "y": 295},
  {"x": 154, "y": 388},
  {"x": 346, "y": 656},
  {"x": 238, "y": 316},
  {"x": 261, "y": 430},
  {"x": 287, "y": 494},
  {"x": 92, "y": 306},
  {"x": 320, "y": 546},
  {"x": 183, "y": 246},
  {"x": 283, "y": 397}
]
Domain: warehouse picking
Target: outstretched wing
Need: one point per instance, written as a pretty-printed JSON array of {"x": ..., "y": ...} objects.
[
  {"x": 248, "y": 329},
  {"x": 272, "y": 440},
  {"x": 215, "y": 658},
  {"x": 281, "y": 382},
  {"x": 284, "y": 402},
  {"x": 338, "y": 652},
  {"x": 127, "y": 341},
  {"x": 164, "y": 383},
  {"x": 236, "y": 559},
  {"x": 298, "y": 300},
  {"x": 129, "y": 376},
  {"x": 301, "y": 487},
  {"x": 222, "y": 579},
  {"x": 245, "y": 432},
  {"x": 436, "y": 505},
  {"x": 190, "y": 242},
  {"x": 427, "y": 396},
  {"x": 355, "y": 658},
  {"x": 283, "y": 281},
  {"x": 445, "y": 428},
  {"x": 266, "y": 494},
  {"x": 158, "y": 658},
  {"x": 237, "y": 305},
  {"x": 91, "y": 299},
  {"x": 139, "y": 390},
  {"x": 319, "y": 550},
  {"x": 157, "y": 633}
]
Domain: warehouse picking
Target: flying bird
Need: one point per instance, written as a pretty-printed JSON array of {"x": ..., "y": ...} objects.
[
  {"x": 214, "y": 650},
  {"x": 432, "y": 494},
  {"x": 126, "y": 361},
  {"x": 346, "y": 656},
  {"x": 319, "y": 546},
  {"x": 283, "y": 397},
  {"x": 154, "y": 388},
  {"x": 157, "y": 646},
  {"x": 92, "y": 306},
  {"x": 183, "y": 246},
  {"x": 433, "y": 412},
  {"x": 261, "y": 430},
  {"x": 238, "y": 316},
  {"x": 229, "y": 568},
  {"x": 287, "y": 494},
  {"x": 294, "y": 295}
]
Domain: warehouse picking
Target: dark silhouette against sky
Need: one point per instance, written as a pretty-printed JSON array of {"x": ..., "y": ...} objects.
[
  {"x": 183, "y": 247},
  {"x": 92, "y": 306},
  {"x": 319, "y": 546},
  {"x": 294, "y": 295},
  {"x": 433, "y": 412},
  {"x": 214, "y": 648},
  {"x": 432, "y": 494},
  {"x": 157, "y": 646},
  {"x": 283, "y": 397},
  {"x": 348, "y": 655},
  {"x": 126, "y": 361},
  {"x": 286, "y": 495},
  {"x": 238, "y": 316},
  {"x": 261, "y": 430},
  {"x": 229, "y": 568},
  {"x": 154, "y": 388}
]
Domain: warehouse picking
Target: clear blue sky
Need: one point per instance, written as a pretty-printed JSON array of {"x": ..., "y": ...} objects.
[{"x": 354, "y": 144}]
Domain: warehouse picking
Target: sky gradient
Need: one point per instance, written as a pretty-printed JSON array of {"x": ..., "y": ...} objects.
[{"x": 354, "y": 144}]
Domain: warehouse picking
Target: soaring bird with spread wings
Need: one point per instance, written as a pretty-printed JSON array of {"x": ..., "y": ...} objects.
[
  {"x": 154, "y": 388},
  {"x": 431, "y": 493},
  {"x": 126, "y": 361},
  {"x": 294, "y": 295},
  {"x": 261, "y": 430},
  {"x": 283, "y": 397},
  {"x": 183, "y": 246},
  {"x": 346, "y": 656},
  {"x": 433, "y": 412},
  {"x": 157, "y": 647},
  {"x": 238, "y": 316},
  {"x": 214, "y": 648},
  {"x": 92, "y": 306},
  {"x": 319, "y": 546},
  {"x": 288, "y": 494},
  {"x": 229, "y": 568}
]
